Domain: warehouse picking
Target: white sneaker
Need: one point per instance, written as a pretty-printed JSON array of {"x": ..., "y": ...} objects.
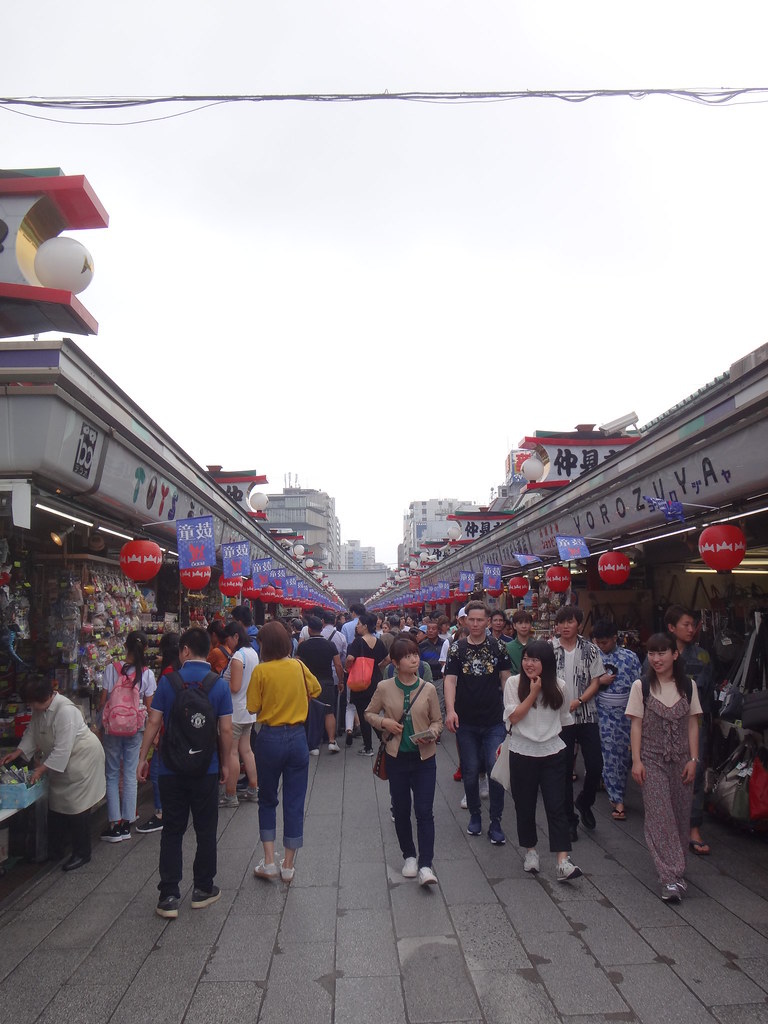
[
  {"x": 567, "y": 870},
  {"x": 531, "y": 862},
  {"x": 463, "y": 803},
  {"x": 410, "y": 868},
  {"x": 315, "y": 752},
  {"x": 333, "y": 748},
  {"x": 427, "y": 876},
  {"x": 268, "y": 871},
  {"x": 484, "y": 790}
]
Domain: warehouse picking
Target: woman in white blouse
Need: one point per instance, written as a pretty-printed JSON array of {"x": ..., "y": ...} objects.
[
  {"x": 71, "y": 758},
  {"x": 536, "y": 710}
]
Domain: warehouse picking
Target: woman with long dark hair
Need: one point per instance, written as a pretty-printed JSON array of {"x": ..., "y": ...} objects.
[
  {"x": 536, "y": 710},
  {"x": 366, "y": 645},
  {"x": 664, "y": 708},
  {"x": 126, "y": 688}
]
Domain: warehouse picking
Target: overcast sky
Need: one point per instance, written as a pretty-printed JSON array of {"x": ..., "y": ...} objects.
[{"x": 382, "y": 298}]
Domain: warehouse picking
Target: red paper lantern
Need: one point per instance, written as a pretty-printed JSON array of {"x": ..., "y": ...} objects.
[
  {"x": 558, "y": 579},
  {"x": 613, "y": 567},
  {"x": 251, "y": 592},
  {"x": 518, "y": 586},
  {"x": 497, "y": 592},
  {"x": 140, "y": 560},
  {"x": 230, "y": 586},
  {"x": 723, "y": 546},
  {"x": 267, "y": 594},
  {"x": 195, "y": 579}
]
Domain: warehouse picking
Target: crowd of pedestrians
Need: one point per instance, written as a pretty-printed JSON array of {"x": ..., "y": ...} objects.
[{"x": 229, "y": 720}]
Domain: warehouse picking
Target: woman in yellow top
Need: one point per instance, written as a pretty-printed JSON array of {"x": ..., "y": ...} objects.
[
  {"x": 406, "y": 710},
  {"x": 279, "y": 693}
]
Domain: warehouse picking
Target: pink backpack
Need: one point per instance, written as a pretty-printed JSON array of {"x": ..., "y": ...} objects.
[{"x": 124, "y": 713}]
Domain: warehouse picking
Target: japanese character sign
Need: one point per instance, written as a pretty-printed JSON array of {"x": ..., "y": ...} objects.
[
  {"x": 491, "y": 576},
  {"x": 260, "y": 569},
  {"x": 236, "y": 558},
  {"x": 571, "y": 547},
  {"x": 466, "y": 582},
  {"x": 195, "y": 542}
]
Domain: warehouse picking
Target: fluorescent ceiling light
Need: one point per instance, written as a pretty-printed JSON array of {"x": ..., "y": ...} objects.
[
  {"x": 64, "y": 515},
  {"x": 661, "y": 536},
  {"x": 115, "y": 533},
  {"x": 741, "y": 572},
  {"x": 741, "y": 515}
]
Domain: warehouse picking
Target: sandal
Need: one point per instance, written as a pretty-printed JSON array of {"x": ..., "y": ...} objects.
[
  {"x": 699, "y": 847},
  {"x": 618, "y": 815}
]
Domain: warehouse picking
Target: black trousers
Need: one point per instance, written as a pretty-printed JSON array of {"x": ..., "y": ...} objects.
[
  {"x": 74, "y": 829},
  {"x": 527, "y": 776},
  {"x": 361, "y": 699},
  {"x": 181, "y": 796},
  {"x": 587, "y": 735}
]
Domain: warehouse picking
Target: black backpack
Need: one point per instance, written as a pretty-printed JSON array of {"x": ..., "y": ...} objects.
[{"x": 192, "y": 733}]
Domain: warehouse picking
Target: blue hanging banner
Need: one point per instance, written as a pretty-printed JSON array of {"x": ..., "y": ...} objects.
[
  {"x": 466, "y": 582},
  {"x": 571, "y": 547},
  {"x": 236, "y": 558},
  {"x": 291, "y": 586},
  {"x": 525, "y": 559},
  {"x": 195, "y": 542},
  {"x": 277, "y": 574},
  {"x": 260, "y": 571},
  {"x": 491, "y": 576}
]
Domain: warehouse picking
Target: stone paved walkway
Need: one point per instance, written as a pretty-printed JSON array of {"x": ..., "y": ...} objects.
[{"x": 353, "y": 942}]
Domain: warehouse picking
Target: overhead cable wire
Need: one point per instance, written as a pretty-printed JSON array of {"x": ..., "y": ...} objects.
[{"x": 706, "y": 97}]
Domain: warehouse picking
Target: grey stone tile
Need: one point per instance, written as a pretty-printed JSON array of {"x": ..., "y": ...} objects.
[
  {"x": 419, "y": 910},
  {"x": 710, "y": 975},
  {"x": 88, "y": 921},
  {"x": 29, "y": 988},
  {"x": 607, "y": 935},
  {"x": 301, "y": 986},
  {"x": 642, "y": 907},
  {"x": 509, "y": 997},
  {"x": 309, "y": 916},
  {"x": 365, "y": 944},
  {"x": 230, "y": 1002},
  {"x": 723, "y": 929},
  {"x": 755, "y": 968},
  {"x": 315, "y": 868},
  {"x": 362, "y": 884},
  {"x": 196, "y": 928},
  {"x": 734, "y": 896},
  {"x": 373, "y": 1000},
  {"x": 487, "y": 938},
  {"x": 423, "y": 963},
  {"x": 529, "y": 906},
  {"x": 749, "y": 1014},
  {"x": 162, "y": 987},
  {"x": 657, "y": 995},
  {"x": 82, "y": 1004},
  {"x": 19, "y": 938},
  {"x": 462, "y": 881},
  {"x": 574, "y": 982}
]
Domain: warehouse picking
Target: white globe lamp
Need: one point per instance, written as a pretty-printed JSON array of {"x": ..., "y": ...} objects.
[
  {"x": 533, "y": 469},
  {"x": 258, "y": 501},
  {"x": 64, "y": 263},
  {"x": 454, "y": 531},
  {"x": 309, "y": 563},
  {"x": 298, "y": 550}
]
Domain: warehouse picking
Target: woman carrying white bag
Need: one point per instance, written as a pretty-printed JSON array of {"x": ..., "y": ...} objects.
[{"x": 536, "y": 710}]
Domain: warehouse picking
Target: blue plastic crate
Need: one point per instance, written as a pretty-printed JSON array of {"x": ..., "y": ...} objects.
[{"x": 16, "y": 795}]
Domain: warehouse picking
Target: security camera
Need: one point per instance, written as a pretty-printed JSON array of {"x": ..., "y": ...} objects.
[{"x": 620, "y": 424}]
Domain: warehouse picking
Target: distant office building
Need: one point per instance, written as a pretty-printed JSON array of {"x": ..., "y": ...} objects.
[
  {"x": 312, "y": 514},
  {"x": 353, "y": 556},
  {"x": 425, "y": 521}
]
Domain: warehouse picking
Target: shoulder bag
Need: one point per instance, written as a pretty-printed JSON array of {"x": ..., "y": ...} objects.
[
  {"x": 380, "y": 761},
  {"x": 314, "y": 724}
]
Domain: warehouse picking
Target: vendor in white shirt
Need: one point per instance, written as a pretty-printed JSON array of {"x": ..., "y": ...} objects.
[
  {"x": 536, "y": 710},
  {"x": 72, "y": 759}
]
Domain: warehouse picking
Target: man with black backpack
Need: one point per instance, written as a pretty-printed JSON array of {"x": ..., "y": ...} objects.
[{"x": 195, "y": 706}]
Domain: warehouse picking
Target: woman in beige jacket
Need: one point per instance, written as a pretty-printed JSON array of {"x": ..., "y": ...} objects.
[{"x": 406, "y": 710}]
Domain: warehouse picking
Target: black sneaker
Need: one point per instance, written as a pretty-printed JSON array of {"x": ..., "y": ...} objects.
[
  {"x": 168, "y": 906},
  {"x": 125, "y": 829},
  {"x": 154, "y": 824},
  {"x": 115, "y": 834},
  {"x": 201, "y": 898},
  {"x": 348, "y": 740}
]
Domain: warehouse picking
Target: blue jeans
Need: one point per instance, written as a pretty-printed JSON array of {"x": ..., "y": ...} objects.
[
  {"x": 408, "y": 773},
  {"x": 122, "y": 750},
  {"x": 477, "y": 749},
  {"x": 281, "y": 750}
]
